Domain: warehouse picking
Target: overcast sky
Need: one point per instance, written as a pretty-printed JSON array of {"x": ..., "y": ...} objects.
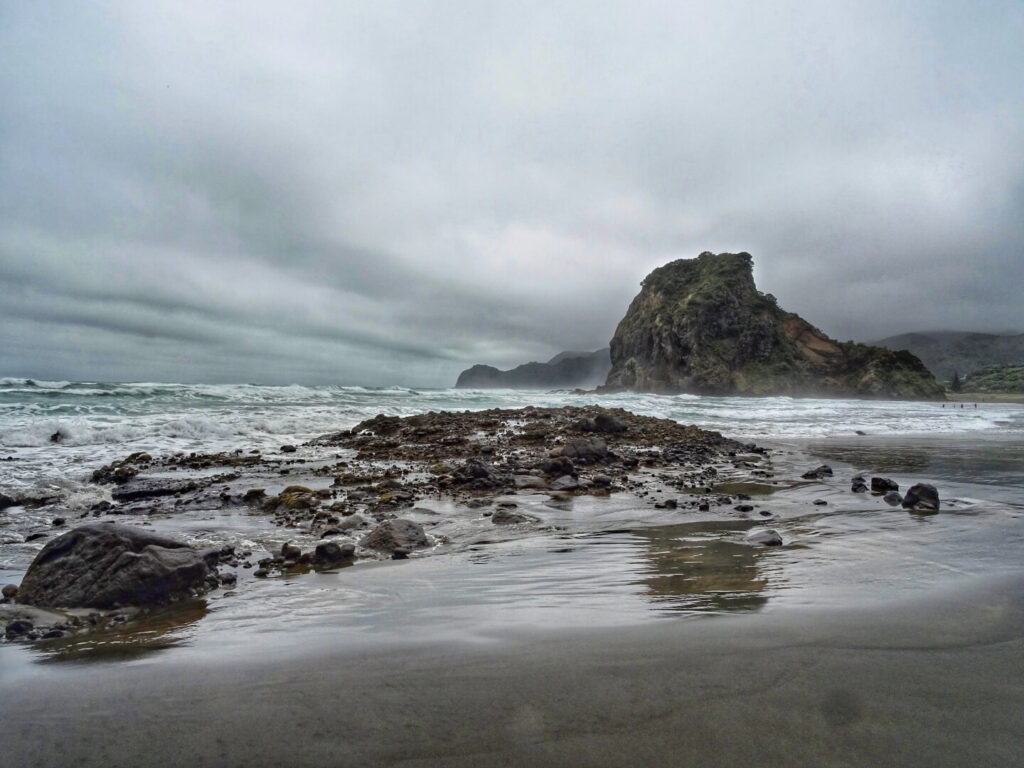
[{"x": 386, "y": 193}]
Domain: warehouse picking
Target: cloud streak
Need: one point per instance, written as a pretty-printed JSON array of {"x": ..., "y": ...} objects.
[{"x": 389, "y": 192}]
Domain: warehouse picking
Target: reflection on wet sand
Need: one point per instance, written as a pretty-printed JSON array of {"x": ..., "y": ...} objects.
[
  {"x": 703, "y": 567},
  {"x": 155, "y": 631}
]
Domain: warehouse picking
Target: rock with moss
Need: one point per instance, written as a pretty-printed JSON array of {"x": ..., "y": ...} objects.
[{"x": 701, "y": 326}]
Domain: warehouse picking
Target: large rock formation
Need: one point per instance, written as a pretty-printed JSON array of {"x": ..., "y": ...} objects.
[
  {"x": 567, "y": 369},
  {"x": 701, "y": 326}
]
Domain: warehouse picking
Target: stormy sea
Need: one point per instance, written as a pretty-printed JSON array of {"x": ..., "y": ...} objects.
[{"x": 611, "y": 632}]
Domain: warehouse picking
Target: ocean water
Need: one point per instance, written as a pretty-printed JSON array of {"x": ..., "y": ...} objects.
[
  {"x": 590, "y": 563},
  {"x": 58, "y": 431}
]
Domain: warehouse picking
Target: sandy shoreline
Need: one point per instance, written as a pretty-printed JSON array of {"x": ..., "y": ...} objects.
[{"x": 933, "y": 682}]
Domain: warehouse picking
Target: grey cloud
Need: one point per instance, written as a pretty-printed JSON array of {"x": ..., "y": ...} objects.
[{"x": 387, "y": 193}]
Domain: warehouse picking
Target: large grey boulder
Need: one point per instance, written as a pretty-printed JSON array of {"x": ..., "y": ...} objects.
[
  {"x": 922, "y": 497},
  {"x": 100, "y": 565},
  {"x": 396, "y": 534}
]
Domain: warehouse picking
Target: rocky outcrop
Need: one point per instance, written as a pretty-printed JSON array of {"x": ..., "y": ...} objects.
[
  {"x": 102, "y": 565},
  {"x": 567, "y": 369},
  {"x": 701, "y": 326}
]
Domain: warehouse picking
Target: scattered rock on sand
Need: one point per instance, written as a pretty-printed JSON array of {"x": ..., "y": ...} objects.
[
  {"x": 766, "y": 537},
  {"x": 818, "y": 473},
  {"x": 330, "y": 553},
  {"x": 883, "y": 484},
  {"x": 585, "y": 451},
  {"x": 396, "y": 534},
  {"x": 565, "y": 483},
  {"x": 857, "y": 485},
  {"x": 99, "y": 565},
  {"x": 506, "y": 516},
  {"x": 922, "y": 497}
]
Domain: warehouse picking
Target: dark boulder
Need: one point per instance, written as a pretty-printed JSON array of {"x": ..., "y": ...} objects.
[
  {"x": 6, "y": 501},
  {"x": 100, "y": 565},
  {"x": 586, "y": 450},
  {"x": 396, "y": 534},
  {"x": 330, "y": 554},
  {"x": 506, "y": 516},
  {"x": 922, "y": 497},
  {"x": 565, "y": 483},
  {"x": 883, "y": 484},
  {"x": 818, "y": 473},
  {"x": 766, "y": 537},
  {"x": 893, "y": 498},
  {"x": 857, "y": 485}
]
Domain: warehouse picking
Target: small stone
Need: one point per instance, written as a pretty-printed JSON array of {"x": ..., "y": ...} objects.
[
  {"x": 767, "y": 537},
  {"x": 565, "y": 483},
  {"x": 290, "y": 551},
  {"x": 36, "y": 535},
  {"x": 58, "y": 522},
  {"x": 819, "y": 502},
  {"x": 228, "y": 579},
  {"x": 504, "y": 516},
  {"x": 53, "y": 634},
  {"x": 743, "y": 508},
  {"x": 883, "y": 484},
  {"x": 671, "y": 504},
  {"x": 10, "y": 590},
  {"x": 893, "y": 498},
  {"x": 330, "y": 553},
  {"x": 288, "y": 449},
  {"x": 18, "y": 627},
  {"x": 400, "y": 553},
  {"x": 261, "y": 573},
  {"x": 817, "y": 473},
  {"x": 857, "y": 485}
]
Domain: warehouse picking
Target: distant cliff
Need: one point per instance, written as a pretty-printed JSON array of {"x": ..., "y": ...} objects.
[
  {"x": 949, "y": 352},
  {"x": 567, "y": 369},
  {"x": 701, "y": 326}
]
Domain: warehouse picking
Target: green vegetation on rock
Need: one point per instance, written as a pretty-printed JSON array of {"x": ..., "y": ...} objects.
[
  {"x": 701, "y": 326},
  {"x": 996, "y": 379}
]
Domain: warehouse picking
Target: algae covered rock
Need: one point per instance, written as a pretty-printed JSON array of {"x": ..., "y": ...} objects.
[{"x": 701, "y": 326}]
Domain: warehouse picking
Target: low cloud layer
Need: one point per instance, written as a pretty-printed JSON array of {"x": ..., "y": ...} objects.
[{"x": 386, "y": 193}]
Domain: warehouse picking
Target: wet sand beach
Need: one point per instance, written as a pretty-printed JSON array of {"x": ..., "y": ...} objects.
[{"x": 937, "y": 681}]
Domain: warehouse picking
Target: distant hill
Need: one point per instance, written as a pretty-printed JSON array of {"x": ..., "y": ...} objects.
[
  {"x": 996, "y": 379},
  {"x": 566, "y": 369},
  {"x": 946, "y": 352}
]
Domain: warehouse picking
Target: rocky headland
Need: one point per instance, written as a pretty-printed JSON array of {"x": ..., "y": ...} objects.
[
  {"x": 949, "y": 354},
  {"x": 564, "y": 370},
  {"x": 701, "y": 326}
]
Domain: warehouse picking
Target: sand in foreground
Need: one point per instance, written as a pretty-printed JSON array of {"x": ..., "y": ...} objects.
[{"x": 938, "y": 682}]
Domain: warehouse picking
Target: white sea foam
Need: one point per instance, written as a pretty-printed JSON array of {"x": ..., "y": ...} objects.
[{"x": 95, "y": 422}]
